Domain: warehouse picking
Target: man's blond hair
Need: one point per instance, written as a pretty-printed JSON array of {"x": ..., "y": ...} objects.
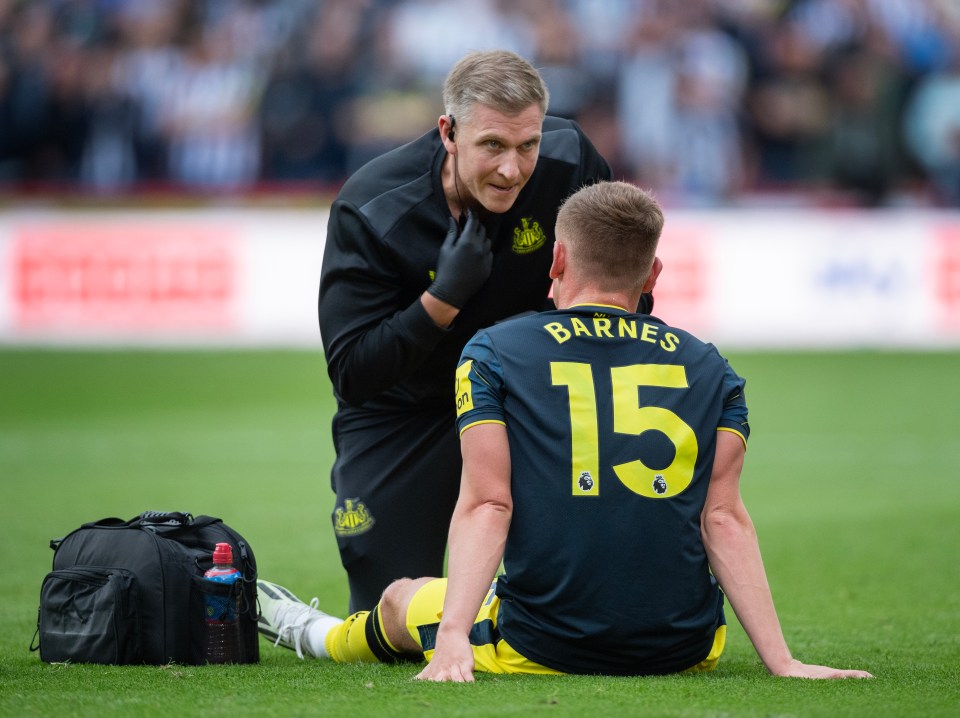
[
  {"x": 498, "y": 79},
  {"x": 611, "y": 231}
]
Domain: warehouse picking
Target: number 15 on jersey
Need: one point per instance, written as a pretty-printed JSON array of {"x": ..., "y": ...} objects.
[{"x": 629, "y": 418}]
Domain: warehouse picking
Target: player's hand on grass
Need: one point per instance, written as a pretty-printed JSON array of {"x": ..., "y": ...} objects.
[
  {"x": 464, "y": 264},
  {"x": 452, "y": 660},
  {"x": 796, "y": 669}
]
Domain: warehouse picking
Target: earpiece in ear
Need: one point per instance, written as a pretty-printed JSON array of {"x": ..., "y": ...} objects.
[{"x": 452, "y": 123}]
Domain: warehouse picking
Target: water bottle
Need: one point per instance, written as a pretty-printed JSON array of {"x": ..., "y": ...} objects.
[{"x": 222, "y": 623}]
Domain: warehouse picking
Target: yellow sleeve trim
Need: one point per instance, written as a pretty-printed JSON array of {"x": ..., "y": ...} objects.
[
  {"x": 734, "y": 431},
  {"x": 485, "y": 421}
]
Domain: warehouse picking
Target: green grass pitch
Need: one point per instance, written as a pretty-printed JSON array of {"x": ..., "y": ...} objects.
[{"x": 852, "y": 478}]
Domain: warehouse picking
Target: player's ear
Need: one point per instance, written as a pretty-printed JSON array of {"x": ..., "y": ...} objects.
[
  {"x": 559, "y": 260},
  {"x": 651, "y": 281}
]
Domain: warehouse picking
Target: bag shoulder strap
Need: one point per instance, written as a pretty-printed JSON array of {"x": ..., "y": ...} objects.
[
  {"x": 169, "y": 525},
  {"x": 161, "y": 518},
  {"x": 107, "y": 522},
  {"x": 156, "y": 521}
]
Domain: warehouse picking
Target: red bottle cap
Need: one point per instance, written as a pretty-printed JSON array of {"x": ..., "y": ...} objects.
[{"x": 223, "y": 553}]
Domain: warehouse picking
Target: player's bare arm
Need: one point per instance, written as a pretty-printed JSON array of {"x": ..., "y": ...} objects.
[
  {"x": 478, "y": 533},
  {"x": 734, "y": 554}
]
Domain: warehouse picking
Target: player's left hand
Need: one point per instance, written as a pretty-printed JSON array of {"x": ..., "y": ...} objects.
[
  {"x": 796, "y": 669},
  {"x": 452, "y": 661}
]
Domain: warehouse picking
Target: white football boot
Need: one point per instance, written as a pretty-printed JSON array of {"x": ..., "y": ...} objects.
[{"x": 285, "y": 619}]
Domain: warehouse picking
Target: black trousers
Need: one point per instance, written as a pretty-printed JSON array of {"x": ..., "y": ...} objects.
[{"x": 396, "y": 477}]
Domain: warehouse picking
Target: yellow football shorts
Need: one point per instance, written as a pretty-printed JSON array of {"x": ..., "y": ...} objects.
[{"x": 492, "y": 654}]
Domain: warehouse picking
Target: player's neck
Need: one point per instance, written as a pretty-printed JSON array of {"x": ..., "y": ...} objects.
[{"x": 592, "y": 295}]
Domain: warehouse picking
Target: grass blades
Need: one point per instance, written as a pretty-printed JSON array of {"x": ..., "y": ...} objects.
[{"x": 852, "y": 478}]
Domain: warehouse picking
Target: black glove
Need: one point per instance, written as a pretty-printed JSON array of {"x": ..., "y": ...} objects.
[
  {"x": 646, "y": 304},
  {"x": 464, "y": 263}
]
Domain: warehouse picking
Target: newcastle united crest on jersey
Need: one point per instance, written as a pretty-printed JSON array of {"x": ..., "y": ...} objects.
[
  {"x": 528, "y": 239},
  {"x": 352, "y": 519}
]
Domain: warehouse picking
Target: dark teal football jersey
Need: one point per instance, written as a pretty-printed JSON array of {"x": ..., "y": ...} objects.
[{"x": 612, "y": 420}]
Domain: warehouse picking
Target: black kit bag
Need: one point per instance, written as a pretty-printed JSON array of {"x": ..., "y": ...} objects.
[{"x": 132, "y": 592}]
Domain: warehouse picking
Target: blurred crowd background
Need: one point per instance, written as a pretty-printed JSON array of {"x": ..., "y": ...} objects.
[{"x": 707, "y": 102}]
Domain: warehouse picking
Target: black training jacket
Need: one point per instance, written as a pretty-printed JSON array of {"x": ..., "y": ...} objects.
[{"x": 383, "y": 238}]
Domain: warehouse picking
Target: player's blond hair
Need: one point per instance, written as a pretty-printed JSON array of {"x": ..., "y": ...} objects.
[
  {"x": 611, "y": 231},
  {"x": 498, "y": 79}
]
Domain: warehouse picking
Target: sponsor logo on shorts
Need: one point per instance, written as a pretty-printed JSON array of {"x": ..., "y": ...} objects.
[{"x": 352, "y": 519}]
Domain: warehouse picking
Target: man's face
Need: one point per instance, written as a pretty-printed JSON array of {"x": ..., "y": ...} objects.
[{"x": 496, "y": 154}]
